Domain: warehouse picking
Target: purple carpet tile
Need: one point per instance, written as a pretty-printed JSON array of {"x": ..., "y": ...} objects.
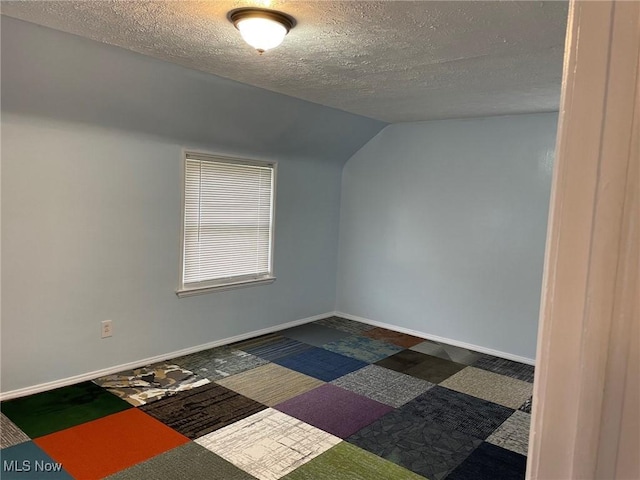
[{"x": 334, "y": 410}]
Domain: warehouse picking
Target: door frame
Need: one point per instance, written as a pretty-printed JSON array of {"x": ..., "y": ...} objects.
[{"x": 585, "y": 420}]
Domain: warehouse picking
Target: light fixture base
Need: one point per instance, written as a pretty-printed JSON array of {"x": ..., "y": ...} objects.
[
  {"x": 261, "y": 28},
  {"x": 287, "y": 21}
]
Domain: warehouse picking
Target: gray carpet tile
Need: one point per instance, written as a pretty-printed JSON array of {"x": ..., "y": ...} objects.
[
  {"x": 220, "y": 362},
  {"x": 277, "y": 348},
  {"x": 10, "y": 434},
  {"x": 383, "y": 385},
  {"x": 448, "y": 352},
  {"x": 349, "y": 326},
  {"x": 255, "y": 341},
  {"x": 186, "y": 462},
  {"x": 416, "y": 444},
  {"x": 513, "y": 434},
  {"x": 457, "y": 411},
  {"x": 506, "y": 367},
  {"x": 314, "y": 334}
]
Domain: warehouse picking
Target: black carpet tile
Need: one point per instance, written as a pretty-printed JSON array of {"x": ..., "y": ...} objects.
[
  {"x": 457, "y": 411},
  {"x": 506, "y": 367},
  {"x": 202, "y": 410},
  {"x": 416, "y": 444},
  {"x": 420, "y": 365},
  {"x": 403, "y": 360},
  {"x": 490, "y": 462}
]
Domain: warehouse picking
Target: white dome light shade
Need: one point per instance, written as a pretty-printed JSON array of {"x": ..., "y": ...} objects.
[
  {"x": 261, "y": 28},
  {"x": 262, "y": 33}
]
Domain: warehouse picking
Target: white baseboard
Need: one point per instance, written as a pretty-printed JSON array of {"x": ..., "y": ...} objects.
[
  {"x": 435, "y": 338},
  {"x": 42, "y": 387}
]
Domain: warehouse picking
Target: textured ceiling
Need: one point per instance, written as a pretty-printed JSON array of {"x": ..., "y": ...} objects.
[{"x": 395, "y": 61}]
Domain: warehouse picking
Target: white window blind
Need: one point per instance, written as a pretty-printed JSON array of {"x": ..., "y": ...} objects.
[{"x": 228, "y": 221}]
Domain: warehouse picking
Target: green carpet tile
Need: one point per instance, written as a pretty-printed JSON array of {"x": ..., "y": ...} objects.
[
  {"x": 186, "y": 462},
  {"x": 65, "y": 407},
  {"x": 348, "y": 462}
]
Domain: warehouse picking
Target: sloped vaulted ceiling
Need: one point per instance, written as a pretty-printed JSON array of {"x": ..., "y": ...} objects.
[{"x": 394, "y": 61}]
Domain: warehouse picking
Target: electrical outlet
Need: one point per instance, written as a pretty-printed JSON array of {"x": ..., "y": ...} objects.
[{"x": 107, "y": 330}]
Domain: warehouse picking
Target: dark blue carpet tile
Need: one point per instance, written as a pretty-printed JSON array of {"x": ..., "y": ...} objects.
[
  {"x": 320, "y": 363},
  {"x": 506, "y": 367},
  {"x": 416, "y": 444},
  {"x": 458, "y": 411},
  {"x": 27, "y": 461},
  {"x": 490, "y": 462},
  {"x": 278, "y": 348}
]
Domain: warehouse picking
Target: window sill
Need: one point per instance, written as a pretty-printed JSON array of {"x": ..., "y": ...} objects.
[{"x": 190, "y": 292}]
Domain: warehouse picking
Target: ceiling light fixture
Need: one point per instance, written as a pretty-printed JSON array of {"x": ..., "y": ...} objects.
[{"x": 261, "y": 28}]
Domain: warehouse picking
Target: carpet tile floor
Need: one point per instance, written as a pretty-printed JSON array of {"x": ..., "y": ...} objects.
[
  {"x": 420, "y": 365},
  {"x": 490, "y": 386},
  {"x": 321, "y": 364},
  {"x": 362, "y": 348},
  {"x": 383, "y": 385},
  {"x": 269, "y": 444},
  {"x": 396, "y": 338},
  {"x": 513, "y": 434},
  {"x": 334, "y": 410},
  {"x": 448, "y": 352},
  {"x": 220, "y": 362},
  {"x": 275, "y": 347},
  {"x": 148, "y": 384},
  {"x": 271, "y": 384},
  {"x": 333, "y": 399},
  {"x": 202, "y": 410},
  {"x": 348, "y": 461}
]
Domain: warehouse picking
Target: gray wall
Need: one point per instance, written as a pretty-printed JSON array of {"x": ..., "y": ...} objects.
[
  {"x": 91, "y": 203},
  {"x": 443, "y": 228}
]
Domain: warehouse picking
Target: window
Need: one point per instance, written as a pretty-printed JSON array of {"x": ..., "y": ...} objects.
[{"x": 227, "y": 236}]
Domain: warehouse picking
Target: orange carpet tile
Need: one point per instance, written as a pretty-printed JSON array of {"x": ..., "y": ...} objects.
[{"x": 98, "y": 448}]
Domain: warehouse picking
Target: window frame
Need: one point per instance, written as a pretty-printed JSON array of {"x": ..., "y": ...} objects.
[{"x": 234, "y": 282}]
